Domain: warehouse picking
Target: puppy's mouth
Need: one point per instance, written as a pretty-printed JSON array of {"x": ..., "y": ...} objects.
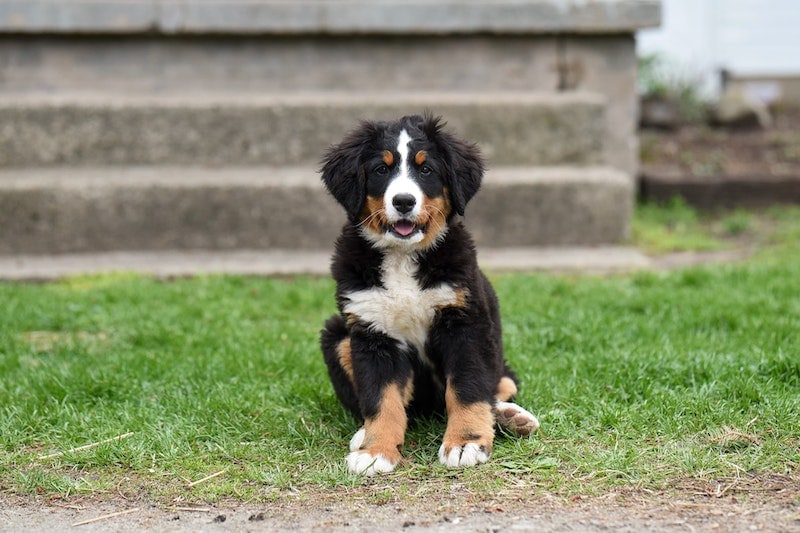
[{"x": 405, "y": 228}]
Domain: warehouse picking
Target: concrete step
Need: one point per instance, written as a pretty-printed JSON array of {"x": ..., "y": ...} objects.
[
  {"x": 68, "y": 209},
  {"x": 540, "y": 206},
  {"x": 513, "y": 128},
  {"x": 178, "y": 263}
]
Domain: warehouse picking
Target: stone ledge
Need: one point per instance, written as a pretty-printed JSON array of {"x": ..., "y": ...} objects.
[
  {"x": 342, "y": 17},
  {"x": 720, "y": 191},
  {"x": 182, "y": 263}
]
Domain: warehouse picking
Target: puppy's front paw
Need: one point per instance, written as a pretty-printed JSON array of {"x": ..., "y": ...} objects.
[
  {"x": 361, "y": 461},
  {"x": 368, "y": 464},
  {"x": 470, "y": 454}
]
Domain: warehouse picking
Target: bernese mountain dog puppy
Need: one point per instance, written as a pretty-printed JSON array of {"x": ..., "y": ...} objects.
[{"x": 418, "y": 329}]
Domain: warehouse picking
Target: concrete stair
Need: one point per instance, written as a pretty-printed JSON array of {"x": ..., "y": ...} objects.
[
  {"x": 102, "y": 172},
  {"x": 513, "y": 128},
  {"x": 129, "y": 136},
  {"x": 80, "y": 209}
]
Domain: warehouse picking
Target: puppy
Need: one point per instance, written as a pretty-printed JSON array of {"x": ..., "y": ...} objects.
[{"x": 418, "y": 329}]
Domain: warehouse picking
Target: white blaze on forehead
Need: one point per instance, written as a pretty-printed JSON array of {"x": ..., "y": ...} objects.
[
  {"x": 402, "y": 183},
  {"x": 402, "y": 149}
]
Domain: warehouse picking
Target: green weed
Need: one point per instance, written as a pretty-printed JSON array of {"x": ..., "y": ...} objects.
[
  {"x": 675, "y": 226},
  {"x": 661, "y": 78},
  {"x": 678, "y": 227}
]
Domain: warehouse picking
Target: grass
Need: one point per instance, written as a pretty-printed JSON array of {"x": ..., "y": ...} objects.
[
  {"x": 678, "y": 227},
  {"x": 645, "y": 381}
]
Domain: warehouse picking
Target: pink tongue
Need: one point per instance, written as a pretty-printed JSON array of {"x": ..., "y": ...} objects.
[{"x": 404, "y": 228}]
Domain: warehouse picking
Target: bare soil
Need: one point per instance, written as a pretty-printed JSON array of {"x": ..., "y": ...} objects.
[
  {"x": 724, "y": 167},
  {"x": 769, "y": 503}
]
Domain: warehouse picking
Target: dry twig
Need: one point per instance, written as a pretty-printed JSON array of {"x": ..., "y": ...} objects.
[
  {"x": 105, "y": 517},
  {"x": 211, "y": 476},
  {"x": 85, "y": 447}
]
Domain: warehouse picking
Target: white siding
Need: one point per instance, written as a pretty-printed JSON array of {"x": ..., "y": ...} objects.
[
  {"x": 747, "y": 37},
  {"x": 757, "y": 37}
]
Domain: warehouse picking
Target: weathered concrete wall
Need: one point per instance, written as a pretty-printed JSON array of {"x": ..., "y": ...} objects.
[{"x": 607, "y": 65}]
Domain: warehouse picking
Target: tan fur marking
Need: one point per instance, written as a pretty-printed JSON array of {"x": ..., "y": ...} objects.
[
  {"x": 506, "y": 389},
  {"x": 351, "y": 319},
  {"x": 384, "y": 434},
  {"x": 461, "y": 298},
  {"x": 374, "y": 215},
  {"x": 434, "y": 215},
  {"x": 345, "y": 354},
  {"x": 388, "y": 157},
  {"x": 467, "y": 423},
  {"x": 421, "y": 156},
  {"x": 408, "y": 393}
]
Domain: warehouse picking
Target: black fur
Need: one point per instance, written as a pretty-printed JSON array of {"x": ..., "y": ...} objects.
[
  {"x": 343, "y": 172},
  {"x": 464, "y": 165}
]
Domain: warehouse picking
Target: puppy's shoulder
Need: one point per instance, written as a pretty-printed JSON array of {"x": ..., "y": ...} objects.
[{"x": 454, "y": 260}]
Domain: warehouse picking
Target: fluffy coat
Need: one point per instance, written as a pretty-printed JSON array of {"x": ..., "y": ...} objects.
[{"x": 418, "y": 330}]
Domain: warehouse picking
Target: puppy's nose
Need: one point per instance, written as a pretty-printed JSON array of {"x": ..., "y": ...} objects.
[{"x": 404, "y": 203}]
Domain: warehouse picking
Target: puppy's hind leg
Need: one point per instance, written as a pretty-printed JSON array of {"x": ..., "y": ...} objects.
[{"x": 509, "y": 415}]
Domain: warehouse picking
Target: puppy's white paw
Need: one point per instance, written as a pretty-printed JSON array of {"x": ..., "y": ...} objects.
[
  {"x": 367, "y": 464},
  {"x": 363, "y": 462},
  {"x": 515, "y": 419},
  {"x": 468, "y": 455}
]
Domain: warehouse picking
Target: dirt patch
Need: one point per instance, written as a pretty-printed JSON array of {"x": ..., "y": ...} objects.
[
  {"x": 720, "y": 167},
  {"x": 769, "y": 503},
  {"x": 533, "y": 515}
]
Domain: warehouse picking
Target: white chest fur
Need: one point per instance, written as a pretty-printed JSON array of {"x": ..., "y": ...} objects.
[{"x": 400, "y": 309}]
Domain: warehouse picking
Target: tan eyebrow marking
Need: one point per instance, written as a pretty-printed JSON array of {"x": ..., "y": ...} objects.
[
  {"x": 420, "y": 157},
  {"x": 388, "y": 157}
]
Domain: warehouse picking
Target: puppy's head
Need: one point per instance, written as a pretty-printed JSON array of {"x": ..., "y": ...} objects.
[{"x": 401, "y": 182}]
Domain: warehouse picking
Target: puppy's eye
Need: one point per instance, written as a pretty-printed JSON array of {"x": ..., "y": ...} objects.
[
  {"x": 382, "y": 170},
  {"x": 425, "y": 170}
]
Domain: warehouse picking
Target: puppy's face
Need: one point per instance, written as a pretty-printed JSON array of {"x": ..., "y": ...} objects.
[
  {"x": 402, "y": 181},
  {"x": 407, "y": 200}
]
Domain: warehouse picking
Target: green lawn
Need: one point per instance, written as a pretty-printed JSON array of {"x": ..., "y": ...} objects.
[{"x": 648, "y": 381}]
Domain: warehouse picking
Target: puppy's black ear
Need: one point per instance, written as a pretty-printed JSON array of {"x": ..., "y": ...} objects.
[
  {"x": 343, "y": 172},
  {"x": 464, "y": 163}
]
